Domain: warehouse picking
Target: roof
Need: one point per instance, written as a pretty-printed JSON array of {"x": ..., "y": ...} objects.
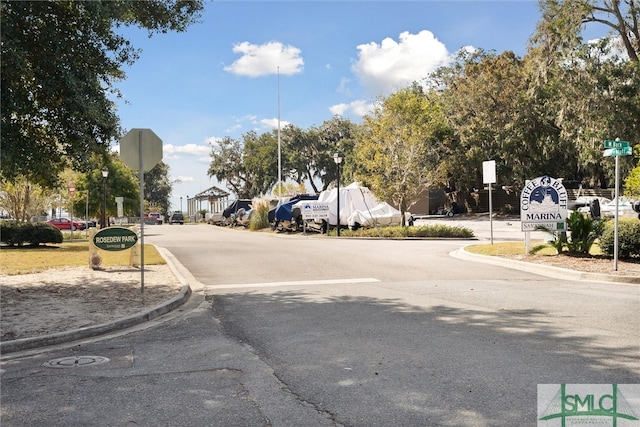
[{"x": 211, "y": 193}]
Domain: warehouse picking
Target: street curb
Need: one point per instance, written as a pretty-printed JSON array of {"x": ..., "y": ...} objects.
[
  {"x": 546, "y": 270},
  {"x": 103, "y": 328}
]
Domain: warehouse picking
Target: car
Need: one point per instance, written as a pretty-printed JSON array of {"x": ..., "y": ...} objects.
[
  {"x": 176, "y": 218},
  {"x": 159, "y": 218},
  {"x": 66, "y": 224},
  {"x": 89, "y": 223}
]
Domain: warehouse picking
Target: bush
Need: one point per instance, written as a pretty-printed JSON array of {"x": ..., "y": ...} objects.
[
  {"x": 18, "y": 233},
  {"x": 584, "y": 232},
  {"x": 628, "y": 237},
  {"x": 434, "y": 231},
  {"x": 259, "y": 215}
]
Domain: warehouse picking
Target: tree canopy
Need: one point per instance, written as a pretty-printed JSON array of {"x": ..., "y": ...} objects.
[{"x": 61, "y": 60}]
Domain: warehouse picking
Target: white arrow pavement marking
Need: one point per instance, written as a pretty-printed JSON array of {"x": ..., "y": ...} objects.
[{"x": 296, "y": 283}]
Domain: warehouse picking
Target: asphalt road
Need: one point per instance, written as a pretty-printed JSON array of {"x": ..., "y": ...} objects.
[{"x": 316, "y": 331}]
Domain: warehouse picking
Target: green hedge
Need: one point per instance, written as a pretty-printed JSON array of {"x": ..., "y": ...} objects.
[
  {"x": 424, "y": 231},
  {"x": 628, "y": 237},
  {"x": 15, "y": 233}
]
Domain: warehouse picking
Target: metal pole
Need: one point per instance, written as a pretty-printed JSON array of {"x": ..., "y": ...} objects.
[
  {"x": 140, "y": 166},
  {"x": 338, "y": 199},
  {"x": 86, "y": 215},
  {"x": 104, "y": 202},
  {"x": 615, "y": 228},
  {"x": 490, "y": 213}
]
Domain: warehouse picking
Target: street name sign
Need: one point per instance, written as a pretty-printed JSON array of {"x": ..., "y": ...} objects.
[
  {"x": 618, "y": 151},
  {"x": 610, "y": 143}
]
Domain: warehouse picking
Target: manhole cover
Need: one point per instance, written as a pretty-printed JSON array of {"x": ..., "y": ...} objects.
[{"x": 75, "y": 361}]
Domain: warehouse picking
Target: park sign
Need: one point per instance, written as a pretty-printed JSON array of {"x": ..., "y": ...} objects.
[
  {"x": 543, "y": 205},
  {"x": 115, "y": 239}
]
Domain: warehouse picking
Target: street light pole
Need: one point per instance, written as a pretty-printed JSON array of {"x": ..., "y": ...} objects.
[
  {"x": 337, "y": 157},
  {"x": 103, "y": 216}
]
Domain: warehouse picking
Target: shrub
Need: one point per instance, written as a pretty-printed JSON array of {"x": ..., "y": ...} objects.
[
  {"x": 628, "y": 237},
  {"x": 259, "y": 215},
  {"x": 18, "y": 233},
  {"x": 434, "y": 231},
  {"x": 583, "y": 232}
]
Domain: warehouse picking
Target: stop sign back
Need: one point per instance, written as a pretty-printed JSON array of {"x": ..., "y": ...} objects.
[{"x": 151, "y": 149}]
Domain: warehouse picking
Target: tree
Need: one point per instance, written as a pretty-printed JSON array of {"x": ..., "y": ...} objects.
[
  {"x": 494, "y": 117},
  {"x": 157, "y": 188},
  {"x": 249, "y": 167},
  {"x": 559, "y": 30},
  {"x": 121, "y": 182},
  {"x": 23, "y": 199},
  {"x": 592, "y": 90},
  {"x": 60, "y": 62},
  {"x": 309, "y": 154},
  {"x": 396, "y": 152},
  {"x": 337, "y": 135}
]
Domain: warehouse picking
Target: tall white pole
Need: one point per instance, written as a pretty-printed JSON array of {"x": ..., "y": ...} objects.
[{"x": 279, "y": 153}]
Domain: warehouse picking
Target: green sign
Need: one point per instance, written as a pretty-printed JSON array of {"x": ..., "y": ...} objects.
[
  {"x": 115, "y": 239},
  {"x": 609, "y": 143},
  {"x": 622, "y": 151}
]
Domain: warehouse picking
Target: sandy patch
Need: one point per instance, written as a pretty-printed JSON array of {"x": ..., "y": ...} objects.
[{"x": 71, "y": 298}]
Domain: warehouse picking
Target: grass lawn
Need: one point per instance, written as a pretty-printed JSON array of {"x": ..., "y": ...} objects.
[
  {"x": 517, "y": 248},
  {"x": 23, "y": 260}
]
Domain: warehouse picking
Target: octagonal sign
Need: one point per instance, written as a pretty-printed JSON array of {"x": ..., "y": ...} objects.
[{"x": 151, "y": 149}]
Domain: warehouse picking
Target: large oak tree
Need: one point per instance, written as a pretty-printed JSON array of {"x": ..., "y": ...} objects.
[{"x": 61, "y": 60}]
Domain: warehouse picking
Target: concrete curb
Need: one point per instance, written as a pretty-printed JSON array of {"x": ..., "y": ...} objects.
[
  {"x": 546, "y": 270},
  {"x": 107, "y": 327}
]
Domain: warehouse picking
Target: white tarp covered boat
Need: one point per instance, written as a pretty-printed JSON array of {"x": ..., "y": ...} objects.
[
  {"x": 358, "y": 206},
  {"x": 382, "y": 214}
]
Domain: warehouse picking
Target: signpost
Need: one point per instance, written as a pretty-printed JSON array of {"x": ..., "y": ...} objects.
[
  {"x": 489, "y": 177},
  {"x": 141, "y": 149},
  {"x": 616, "y": 148},
  {"x": 72, "y": 193}
]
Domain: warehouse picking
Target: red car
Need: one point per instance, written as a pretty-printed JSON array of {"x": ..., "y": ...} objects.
[{"x": 65, "y": 224}]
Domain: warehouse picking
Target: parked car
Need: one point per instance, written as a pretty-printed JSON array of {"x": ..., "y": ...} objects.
[
  {"x": 158, "y": 217},
  {"x": 89, "y": 223},
  {"x": 66, "y": 224},
  {"x": 176, "y": 218}
]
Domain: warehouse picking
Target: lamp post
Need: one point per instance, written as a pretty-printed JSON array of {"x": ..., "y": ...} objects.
[
  {"x": 103, "y": 216},
  {"x": 337, "y": 157},
  {"x": 180, "y": 203}
]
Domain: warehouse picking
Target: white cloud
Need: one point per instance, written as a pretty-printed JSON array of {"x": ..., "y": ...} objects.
[
  {"x": 181, "y": 178},
  {"x": 390, "y": 65},
  {"x": 265, "y": 59},
  {"x": 189, "y": 149},
  {"x": 344, "y": 86},
  {"x": 359, "y": 108},
  {"x": 273, "y": 123}
]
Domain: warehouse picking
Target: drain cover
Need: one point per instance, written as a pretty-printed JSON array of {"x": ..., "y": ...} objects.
[{"x": 75, "y": 361}]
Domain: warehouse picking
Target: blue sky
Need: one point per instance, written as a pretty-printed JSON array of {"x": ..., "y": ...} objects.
[{"x": 220, "y": 77}]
